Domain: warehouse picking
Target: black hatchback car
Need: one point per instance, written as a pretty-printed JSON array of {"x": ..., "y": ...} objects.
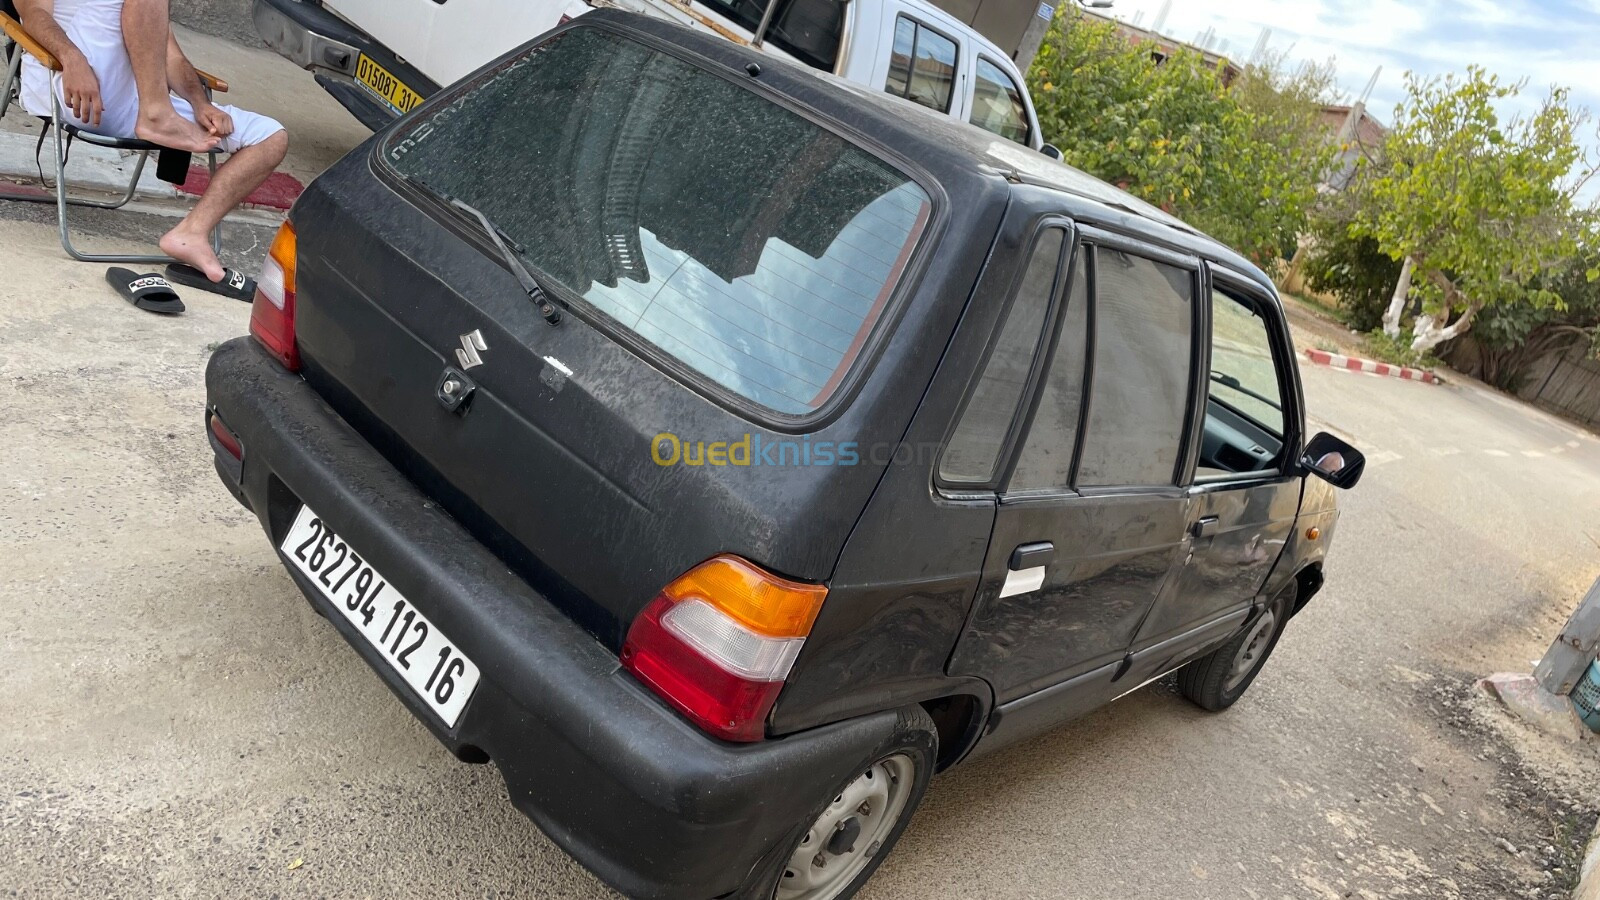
[{"x": 722, "y": 449}]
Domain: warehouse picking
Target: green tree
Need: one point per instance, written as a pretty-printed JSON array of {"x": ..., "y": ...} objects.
[
  {"x": 1510, "y": 338},
  {"x": 1473, "y": 207},
  {"x": 1236, "y": 163}
]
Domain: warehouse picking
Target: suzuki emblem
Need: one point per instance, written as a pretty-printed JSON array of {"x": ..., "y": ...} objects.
[{"x": 471, "y": 347}]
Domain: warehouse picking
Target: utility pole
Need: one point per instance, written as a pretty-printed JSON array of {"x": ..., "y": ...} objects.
[
  {"x": 1563, "y": 667},
  {"x": 1033, "y": 35},
  {"x": 1562, "y": 696}
]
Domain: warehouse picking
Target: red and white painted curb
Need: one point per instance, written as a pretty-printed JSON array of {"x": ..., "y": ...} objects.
[{"x": 1357, "y": 364}]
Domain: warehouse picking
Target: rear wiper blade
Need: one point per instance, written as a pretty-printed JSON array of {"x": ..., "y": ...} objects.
[{"x": 509, "y": 249}]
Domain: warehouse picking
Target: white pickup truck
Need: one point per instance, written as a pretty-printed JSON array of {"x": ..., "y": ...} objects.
[{"x": 380, "y": 58}]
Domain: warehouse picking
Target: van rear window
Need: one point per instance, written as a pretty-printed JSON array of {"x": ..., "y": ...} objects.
[{"x": 728, "y": 232}]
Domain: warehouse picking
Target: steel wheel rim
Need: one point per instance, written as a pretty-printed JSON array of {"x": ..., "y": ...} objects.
[
  {"x": 833, "y": 851},
  {"x": 1252, "y": 651}
]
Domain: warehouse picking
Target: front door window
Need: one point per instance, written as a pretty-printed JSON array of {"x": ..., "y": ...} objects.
[{"x": 1244, "y": 406}]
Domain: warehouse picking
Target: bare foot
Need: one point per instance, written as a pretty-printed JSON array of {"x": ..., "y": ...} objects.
[
  {"x": 172, "y": 130},
  {"x": 194, "y": 249}
]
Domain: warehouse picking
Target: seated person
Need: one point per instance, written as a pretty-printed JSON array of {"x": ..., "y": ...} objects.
[{"x": 123, "y": 75}]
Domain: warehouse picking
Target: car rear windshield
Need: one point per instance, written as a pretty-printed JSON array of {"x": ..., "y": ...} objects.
[{"x": 735, "y": 236}]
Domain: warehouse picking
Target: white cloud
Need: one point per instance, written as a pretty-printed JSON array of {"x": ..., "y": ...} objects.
[{"x": 1432, "y": 37}]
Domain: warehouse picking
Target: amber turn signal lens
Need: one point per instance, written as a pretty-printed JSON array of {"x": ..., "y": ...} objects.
[
  {"x": 285, "y": 250},
  {"x": 765, "y": 603},
  {"x": 1313, "y": 533}
]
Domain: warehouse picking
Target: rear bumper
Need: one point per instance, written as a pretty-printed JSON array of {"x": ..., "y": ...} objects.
[
  {"x": 315, "y": 39},
  {"x": 618, "y": 780}
]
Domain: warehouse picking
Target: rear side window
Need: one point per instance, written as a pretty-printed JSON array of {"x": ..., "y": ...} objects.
[
  {"x": 730, "y": 234},
  {"x": 997, "y": 103},
  {"x": 922, "y": 65},
  {"x": 1144, "y": 319},
  {"x": 974, "y": 447},
  {"x": 1046, "y": 460}
]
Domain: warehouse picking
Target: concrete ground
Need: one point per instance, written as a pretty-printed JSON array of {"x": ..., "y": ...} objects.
[{"x": 176, "y": 721}]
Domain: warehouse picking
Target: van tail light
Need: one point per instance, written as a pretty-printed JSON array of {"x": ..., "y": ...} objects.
[
  {"x": 718, "y": 642},
  {"x": 272, "y": 313}
]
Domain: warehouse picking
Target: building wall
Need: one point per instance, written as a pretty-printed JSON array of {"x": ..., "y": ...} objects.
[{"x": 1007, "y": 23}]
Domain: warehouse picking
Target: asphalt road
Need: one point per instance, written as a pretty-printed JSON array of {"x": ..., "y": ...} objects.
[{"x": 176, "y": 721}]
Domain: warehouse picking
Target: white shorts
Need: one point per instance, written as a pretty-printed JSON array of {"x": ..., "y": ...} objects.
[{"x": 96, "y": 28}]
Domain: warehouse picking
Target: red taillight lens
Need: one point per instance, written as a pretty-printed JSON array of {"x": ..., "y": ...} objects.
[
  {"x": 272, "y": 313},
  {"x": 718, "y": 643},
  {"x": 228, "y": 440}
]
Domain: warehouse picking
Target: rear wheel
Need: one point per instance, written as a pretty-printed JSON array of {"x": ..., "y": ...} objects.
[
  {"x": 1217, "y": 680},
  {"x": 833, "y": 853}
]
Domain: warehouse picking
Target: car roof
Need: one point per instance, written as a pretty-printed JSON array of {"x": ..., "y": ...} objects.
[{"x": 954, "y": 154}]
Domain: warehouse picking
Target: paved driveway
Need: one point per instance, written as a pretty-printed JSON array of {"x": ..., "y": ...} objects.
[{"x": 176, "y": 721}]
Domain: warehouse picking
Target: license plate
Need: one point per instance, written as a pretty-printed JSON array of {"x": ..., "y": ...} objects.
[
  {"x": 381, "y": 83},
  {"x": 413, "y": 646}
]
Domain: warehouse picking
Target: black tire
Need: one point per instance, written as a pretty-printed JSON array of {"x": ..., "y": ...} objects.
[
  {"x": 914, "y": 736},
  {"x": 1208, "y": 682}
]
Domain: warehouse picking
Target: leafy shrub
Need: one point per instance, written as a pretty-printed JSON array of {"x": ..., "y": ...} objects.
[
  {"x": 1352, "y": 269},
  {"x": 1397, "y": 351}
]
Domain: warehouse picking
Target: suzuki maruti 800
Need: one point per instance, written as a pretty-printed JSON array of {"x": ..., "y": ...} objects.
[{"x": 722, "y": 448}]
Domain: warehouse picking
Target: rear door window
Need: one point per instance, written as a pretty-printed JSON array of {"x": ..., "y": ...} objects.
[
  {"x": 997, "y": 103},
  {"x": 734, "y": 237},
  {"x": 922, "y": 65},
  {"x": 1139, "y": 391}
]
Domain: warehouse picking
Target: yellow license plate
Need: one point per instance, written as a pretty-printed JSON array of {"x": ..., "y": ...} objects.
[{"x": 381, "y": 83}]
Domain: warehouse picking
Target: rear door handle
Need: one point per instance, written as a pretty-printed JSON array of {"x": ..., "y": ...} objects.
[
  {"x": 1027, "y": 556},
  {"x": 1025, "y": 569},
  {"x": 1204, "y": 527}
]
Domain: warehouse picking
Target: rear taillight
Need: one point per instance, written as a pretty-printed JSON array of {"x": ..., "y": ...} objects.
[
  {"x": 272, "y": 314},
  {"x": 718, "y": 643}
]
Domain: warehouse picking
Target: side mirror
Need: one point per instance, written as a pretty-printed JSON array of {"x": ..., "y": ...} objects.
[
  {"x": 1334, "y": 461},
  {"x": 1052, "y": 151}
]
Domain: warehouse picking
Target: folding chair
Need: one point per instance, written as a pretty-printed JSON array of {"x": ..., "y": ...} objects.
[{"x": 172, "y": 165}]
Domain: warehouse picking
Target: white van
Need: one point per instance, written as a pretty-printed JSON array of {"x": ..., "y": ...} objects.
[{"x": 381, "y": 58}]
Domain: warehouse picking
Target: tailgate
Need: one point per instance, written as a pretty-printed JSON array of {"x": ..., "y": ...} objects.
[{"x": 725, "y": 264}]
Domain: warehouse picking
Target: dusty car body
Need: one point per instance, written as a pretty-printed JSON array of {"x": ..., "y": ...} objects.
[{"x": 917, "y": 444}]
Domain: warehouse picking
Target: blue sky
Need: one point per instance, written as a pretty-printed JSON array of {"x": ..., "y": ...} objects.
[{"x": 1546, "y": 41}]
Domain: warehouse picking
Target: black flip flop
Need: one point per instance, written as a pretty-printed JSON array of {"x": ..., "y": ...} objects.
[
  {"x": 149, "y": 292},
  {"x": 234, "y": 284}
]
